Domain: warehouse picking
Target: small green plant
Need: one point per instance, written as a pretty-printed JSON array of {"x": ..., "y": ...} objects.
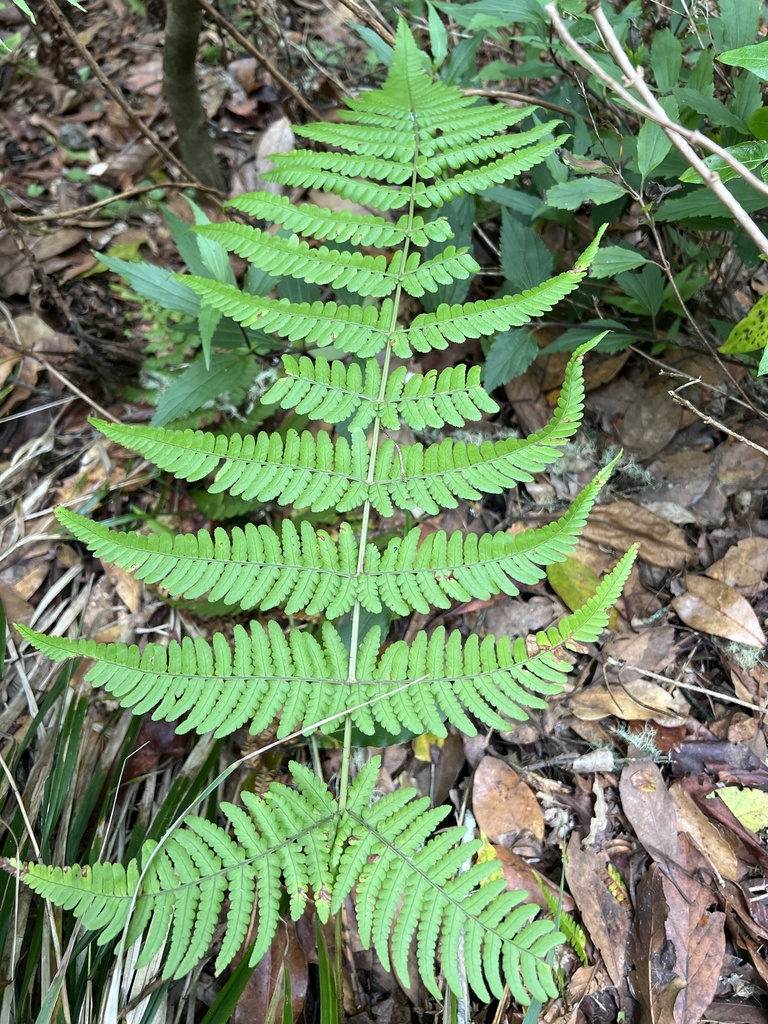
[
  {"x": 674, "y": 250},
  {"x": 405, "y": 149}
]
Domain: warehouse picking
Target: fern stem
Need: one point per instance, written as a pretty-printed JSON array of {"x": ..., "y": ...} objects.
[
  {"x": 366, "y": 514},
  {"x": 364, "y": 527}
]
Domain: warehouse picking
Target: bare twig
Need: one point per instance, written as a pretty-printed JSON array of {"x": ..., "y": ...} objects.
[
  {"x": 669, "y": 371},
  {"x": 372, "y": 20},
  {"x": 521, "y": 97},
  {"x": 67, "y": 30},
  {"x": 81, "y": 211},
  {"x": 262, "y": 58},
  {"x": 710, "y": 420},
  {"x": 20, "y": 350},
  {"x": 651, "y": 109}
]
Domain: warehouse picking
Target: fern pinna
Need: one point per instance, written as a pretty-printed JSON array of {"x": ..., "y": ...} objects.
[{"x": 405, "y": 149}]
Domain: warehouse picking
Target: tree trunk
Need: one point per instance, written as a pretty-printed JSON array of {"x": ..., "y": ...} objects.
[{"x": 182, "y": 30}]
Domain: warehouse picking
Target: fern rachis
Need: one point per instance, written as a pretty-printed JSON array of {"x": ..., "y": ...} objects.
[{"x": 394, "y": 156}]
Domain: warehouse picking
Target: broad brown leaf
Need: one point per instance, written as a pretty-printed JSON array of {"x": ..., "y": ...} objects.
[{"x": 713, "y": 607}]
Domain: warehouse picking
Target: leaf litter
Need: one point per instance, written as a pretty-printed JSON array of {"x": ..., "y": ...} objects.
[{"x": 643, "y": 797}]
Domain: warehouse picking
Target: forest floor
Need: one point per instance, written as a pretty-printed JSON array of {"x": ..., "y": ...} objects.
[{"x": 616, "y": 777}]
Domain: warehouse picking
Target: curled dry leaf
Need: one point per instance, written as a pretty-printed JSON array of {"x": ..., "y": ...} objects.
[
  {"x": 654, "y": 979},
  {"x": 707, "y": 837},
  {"x": 503, "y": 805},
  {"x": 743, "y": 566},
  {"x": 713, "y": 607},
  {"x": 696, "y": 932},
  {"x": 638, "y": 699},
  {"x": 679, "y": 943}
]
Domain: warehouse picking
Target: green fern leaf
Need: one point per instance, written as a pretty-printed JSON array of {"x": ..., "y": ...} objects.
[
  {"x": 363, "y": 330},
  {"x": 291, "y": 257},
  {"x": 482, "y": 319},
  {"x": 318, "y": 473},
  {"x": 413, "y": 143},
  {"x": 403, "y": 878},
  {"x": 307, "y": 570},
  {"x": 323, "y": 223},
  {"x": 334, "y": 392},
  {"x": 221, "y": 688}
]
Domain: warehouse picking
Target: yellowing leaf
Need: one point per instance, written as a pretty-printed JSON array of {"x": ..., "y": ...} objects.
[
  {"x": 751, "y": 333},
  {"x": 422, "y": 744},
  {"x": 574, "y": 583},
  {"x": 485, "y": 854},
  {"x": 750, "y": 806}
]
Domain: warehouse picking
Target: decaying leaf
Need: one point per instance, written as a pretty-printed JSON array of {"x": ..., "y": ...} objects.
[
  {"x": 638, "y": 699},
  {"x": 744, "y": 566},
  {"x": 704, "y": 833},
  {"x": 696, "y": 932},
  {"x": 649, "y": 808},
  {"x": 679, "y": 944},
  {"x": 624, "y": 522},
  {"x": 605, "y": 914},
  {"x": 713, "y": 607},
  {"x": 654, "y": 979},
  {"x": 503, "y": 805}
]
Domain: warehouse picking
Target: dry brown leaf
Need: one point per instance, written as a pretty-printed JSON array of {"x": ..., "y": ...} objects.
[
  {"x": 520, "y": 875},
  {"x": 503, "y": 805},
  {"x": 15, "y": 270},
  {"x": 743, "y": 566},
  {"x": 278, "y": 138},
  {"x": 703, "y": 832},
  {"x": 654, "y": 979},
  {"x": 651, "y": 424},
  {"x": 605, "y": 917},
  {"x": 639, "y": 699},
  {"x": 649, "y": 808},
  {"x": 624, "y": 523},
  {"x": 16, "y": 608},
  {"x": 128, "y": 588},
  {"x": 697, "y": 934},
  {"x": 266, "y": 982},
  {"x": 651, "y": 649},
  {"x": 713, "y": 607}
]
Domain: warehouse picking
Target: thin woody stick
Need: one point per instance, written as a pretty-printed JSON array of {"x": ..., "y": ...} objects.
[
  {"x": 65, "y": 27},
  {"x": 680, "y": 137}
]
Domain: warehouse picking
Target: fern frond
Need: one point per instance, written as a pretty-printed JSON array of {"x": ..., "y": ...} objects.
[
  {"x": 334, "y": 392},
  {"x": 318, "y": 473},
  {"x": 323, "y": 223},
  {"x": 266, "y": 674},
  {"x": 362, "y": 330},
  {"x": 393, "y": 172},
  {"x": 186, "y": 881},
  {"x": 481, "y": 319},
  {"x": 308, "y": 570},
  {"x": 415, "y": 142},
  {"x": 496, "y": 172},
  {"x": 398, "y": 142},
  {"x": 452, "y": 156},
  {"x": 408, "y": 886},
  {"x": 291, "y": 257}
]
